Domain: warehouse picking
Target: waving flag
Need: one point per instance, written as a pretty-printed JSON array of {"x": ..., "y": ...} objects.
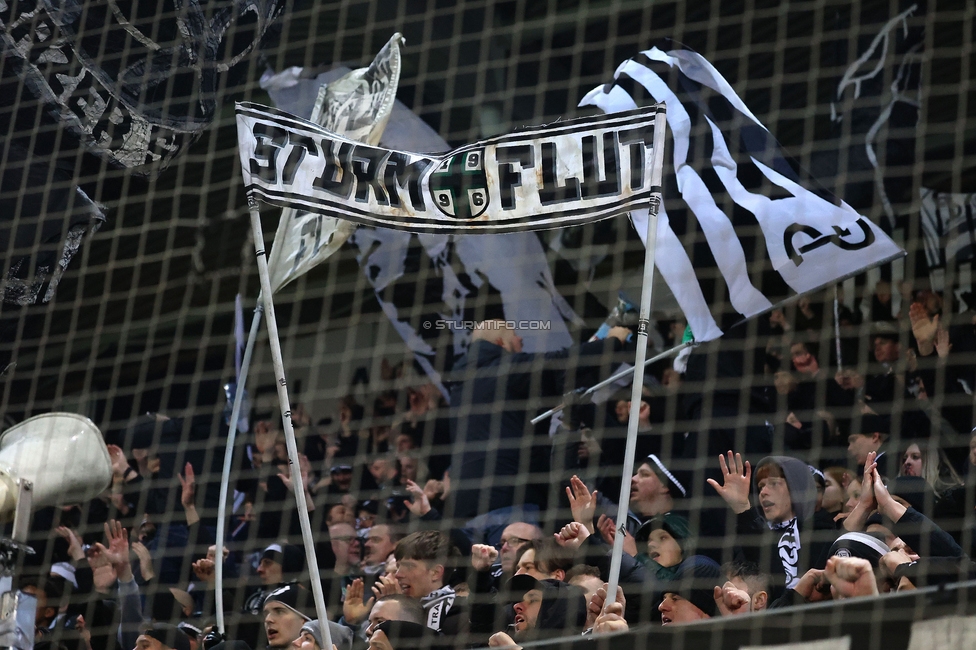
[
  {"x": 743, "y": 214},
  {"x": 357, "y": 105}
]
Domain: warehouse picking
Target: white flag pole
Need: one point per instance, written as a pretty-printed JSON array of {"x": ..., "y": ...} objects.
[
  {"x": 229, "y": 461},
  {"x": 286, "y": 215},
  {"x": 298, "y": 485},
  {"x": 657, "y": 173},
  {"x": 840, "y": 365}
]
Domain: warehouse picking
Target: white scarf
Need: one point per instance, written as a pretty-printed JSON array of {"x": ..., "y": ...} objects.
[
  {"x": 438, "y": 603},
  {"x": 788, "y": 547}
]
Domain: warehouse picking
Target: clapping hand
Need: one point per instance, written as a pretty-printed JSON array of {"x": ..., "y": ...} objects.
[
  {"x": 354, "y": 609},
  {"x": 582, "y": 502}
]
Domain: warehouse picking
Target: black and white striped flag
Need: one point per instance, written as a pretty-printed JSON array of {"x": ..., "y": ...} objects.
[{"x": 742, "y": 224}]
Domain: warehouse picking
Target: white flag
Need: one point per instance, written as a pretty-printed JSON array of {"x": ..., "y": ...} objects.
[
  {"x": 735, "y": 181},
  {"x": 357, "y": 105}
]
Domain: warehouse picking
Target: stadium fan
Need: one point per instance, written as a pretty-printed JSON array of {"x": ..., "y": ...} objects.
[
  {"x": 873, "y": 436},
  {"x": 780, "y": 535},
  {"x": 545, "y": 605},
  {"x": 543, "y": 559},
  {"x": 285, "y": 617},
  {"x": 280, "y": 563},
  {"x": 690, "y": 594},
  {"x": 747, "y": 578},
  {"x": 425, "y": 563},
  {"x": 394, "y": 607}
]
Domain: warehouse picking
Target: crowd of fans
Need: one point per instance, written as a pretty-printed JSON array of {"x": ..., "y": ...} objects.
[{"x": 794, "y": 468}]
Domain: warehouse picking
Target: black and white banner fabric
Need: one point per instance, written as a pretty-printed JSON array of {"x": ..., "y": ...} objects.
[
  {"x": 554, "y": 176},
  {"x": 723, "y": 161},
  {"x": 948, "y": 227},
  {"x": 357, "y": 105}
]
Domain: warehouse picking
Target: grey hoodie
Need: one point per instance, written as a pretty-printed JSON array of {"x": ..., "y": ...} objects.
[{"x": 786, "y": 548}]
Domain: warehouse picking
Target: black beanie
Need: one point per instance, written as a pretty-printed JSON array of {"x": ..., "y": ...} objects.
[
  {"x": 863, "y": 545},
  {"x": 169, "y": 635}
]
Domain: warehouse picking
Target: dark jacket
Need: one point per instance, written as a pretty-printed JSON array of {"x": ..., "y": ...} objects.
[{"x": 789, "y": 549}]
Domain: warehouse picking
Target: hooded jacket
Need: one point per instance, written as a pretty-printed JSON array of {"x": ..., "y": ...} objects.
[{"x": 789, "y": 548}]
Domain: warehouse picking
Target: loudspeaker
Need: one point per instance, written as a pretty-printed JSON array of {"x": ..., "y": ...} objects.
[{"x": 62, "y": 454}]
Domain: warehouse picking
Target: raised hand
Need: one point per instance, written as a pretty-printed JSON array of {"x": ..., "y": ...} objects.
[
  {"x": 483, "y": 556},
  {"x": 205, "y": 570},
  {"x": 96, "y": 558},
  {"x": 849, "y": 379},
  {"x": 188, "y": 483},
  {"x": 75, "y": 549},
  {"x": 608, "y": 530},
  {"x": 304, "y": 468},
  {"x": 582, "y": 502},
  {"x": 737, "y": 481},
  {"x": 145, "y": 561},
  {"x": 433, "y": 489},
  {"x": 851, "y": 576},
  {"x": 117, "y": 552},
  {"x": 83, "y": 631},
  {"x": 866, "y": 503},
  {"x": 813, "y": 586},
  {"x": 386, "y": 585},
  {"x": 446, "y": 485},
  {"x": 354, "y": 610},
  {"x": 731, "y": 600},
  {"x": 886, "y": 504},
  {"x": 418, "y": 503},
  {"x": 942, "y": 344},
  {"x": 119, "y": 462},
  {"x": 572, "y": 535},
  {"x": 924, "y": 327},
  {"x": 867, "y": 498}
]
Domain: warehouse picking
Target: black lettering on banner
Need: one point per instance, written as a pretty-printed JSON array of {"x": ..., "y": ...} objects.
[
  {"x": 398, "y": 173},
  {"x": 592, "y": 185},
  {"x": 550, "y": 191},
  {"x": 268, "y": 141},
  {"x": 508, "y": 177},
  {"x": 312, "y": 226},
  {"x": 302, "y": 144},
  {"x": 366, "y": 165},
  {"x": 640, "y": 140},
  {"x": 336, "y": 178}
]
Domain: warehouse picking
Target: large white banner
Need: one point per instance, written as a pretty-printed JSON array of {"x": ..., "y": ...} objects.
[{"x": 554, "y": 176}]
